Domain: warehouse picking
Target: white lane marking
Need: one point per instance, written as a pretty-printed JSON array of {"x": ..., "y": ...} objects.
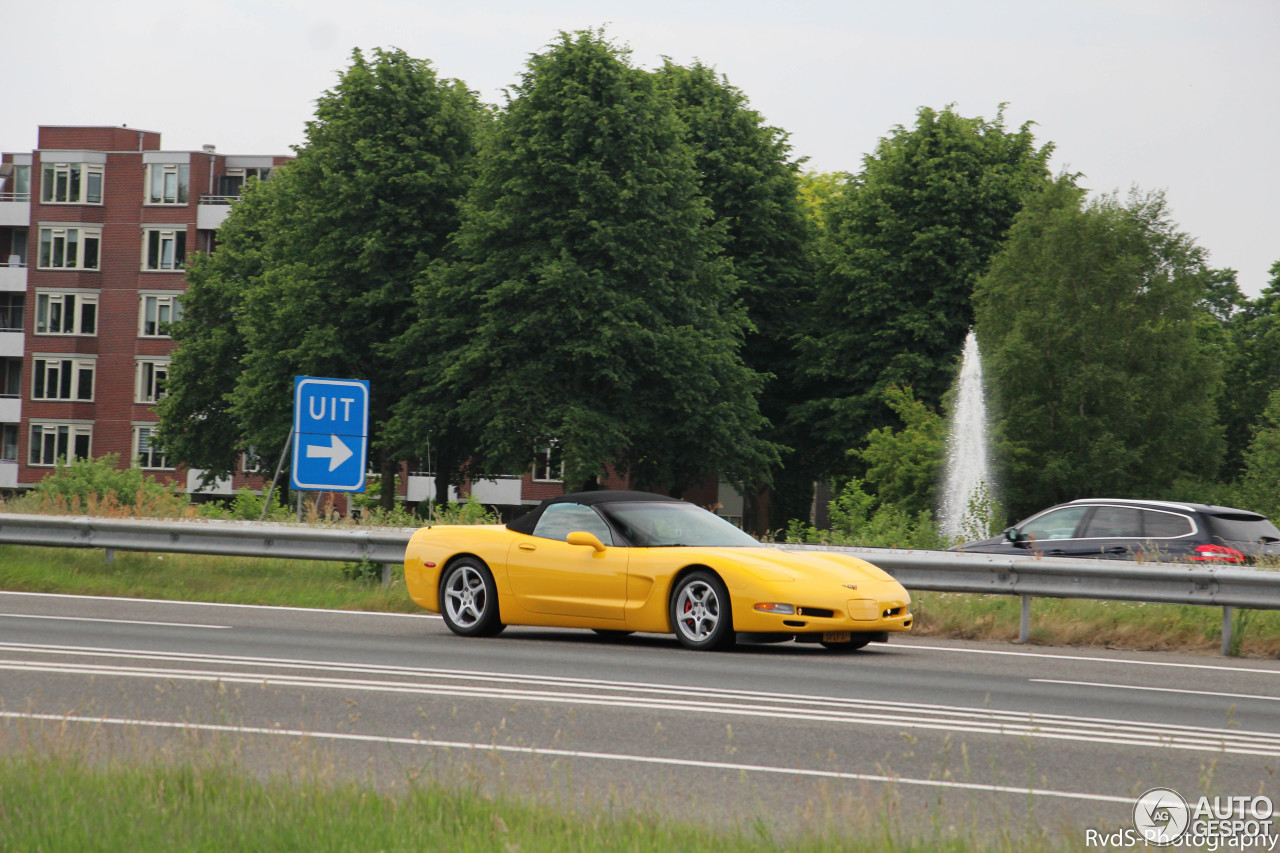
[
  {"x": 177, "y": 602},
  {"x": 592, "y": 684},
  {"x": 574, "y": 753},
  {"x": 1087, "y": 659},
  {"x": 904, "y": 645},
  {"x": 1002, "y": 723},
  {"x": 112, "y": 621},
  {"x": 1157, "y": 689}
]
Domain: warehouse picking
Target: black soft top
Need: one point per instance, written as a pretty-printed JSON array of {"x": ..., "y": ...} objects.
[{"x": 526, "y": 522}]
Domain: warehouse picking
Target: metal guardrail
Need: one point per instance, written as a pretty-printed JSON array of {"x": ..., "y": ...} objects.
[
  {"x": 216, "y": 538},
  {"x": 937, "y": 571}
]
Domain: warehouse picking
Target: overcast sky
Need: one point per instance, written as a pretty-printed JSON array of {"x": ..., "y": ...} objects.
[{"x": 1175, "y": 95}]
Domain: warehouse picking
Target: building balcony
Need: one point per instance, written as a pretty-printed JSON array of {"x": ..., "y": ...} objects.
[
  {"x": 220, "y": 486},
  {"x": 422, "y": 487},
  {"x": 13, "y": 274},
  {"x": 15, "y": 210},
  {"x": 11, "y": 345},
  {"x": 213, "y": 211}
]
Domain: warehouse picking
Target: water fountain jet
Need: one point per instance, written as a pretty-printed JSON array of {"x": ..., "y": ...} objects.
[{"x": 968, "y": 474}]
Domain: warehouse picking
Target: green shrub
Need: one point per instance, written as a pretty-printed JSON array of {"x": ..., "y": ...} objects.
[
  {"x": 98, "y": 486},
  {"x": 857, "y": 520},
  {"x": 470, "y": 512}
]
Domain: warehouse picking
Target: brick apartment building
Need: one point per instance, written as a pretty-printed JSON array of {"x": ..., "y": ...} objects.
[{"x": 95, "y": 225}]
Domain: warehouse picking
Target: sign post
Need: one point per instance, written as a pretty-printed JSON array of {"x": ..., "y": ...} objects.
[{"x": 330, "y": 434}]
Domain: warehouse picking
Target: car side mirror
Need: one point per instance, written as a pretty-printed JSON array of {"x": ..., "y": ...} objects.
[
  {"x": 582, "y": 537},
  {"x": 1014, "y": 535}
]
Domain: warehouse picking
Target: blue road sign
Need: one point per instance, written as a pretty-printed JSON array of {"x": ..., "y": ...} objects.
[{"x": 330, "y": 434}]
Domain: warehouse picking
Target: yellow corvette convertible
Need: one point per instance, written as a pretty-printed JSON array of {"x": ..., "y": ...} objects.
[{"x": 618, "y": 562}]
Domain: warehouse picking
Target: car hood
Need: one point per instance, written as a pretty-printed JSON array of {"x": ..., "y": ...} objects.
[{"x": 776, "y": 564}]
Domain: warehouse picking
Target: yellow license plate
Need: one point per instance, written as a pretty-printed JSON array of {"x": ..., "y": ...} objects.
[{"x": 836, "y": 636}]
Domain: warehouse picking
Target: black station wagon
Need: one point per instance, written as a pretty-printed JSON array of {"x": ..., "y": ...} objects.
[{"x": 1130, "y": 530}]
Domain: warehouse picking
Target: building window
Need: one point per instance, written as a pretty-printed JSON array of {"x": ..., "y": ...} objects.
[
  {"x": 71, "y": 183},
  {"x": 9, "y": 442},
  {"x": 69, "y": 248},
  {"x": 11, "y": 310},
  {"x": 250, "y": 461},
  {"x": 52, "y": 443},
  {"x": 164, "y": 249},
  {"x": 56, "y": 378},
  {"x": 18, "y": 186},
  {"x": 17, "y": 254},
  {"x": 168, "y": 183},
  {"x": 146, "y": 451},
  {"x": 150, "y": 379},
  {"x": 158, "y": 313},
  {"x": 10, "y": 377},
  {"x": 548, "y": 465},
  {"x": 66, "y": 313},
  {"x": 232, "y": 184}
]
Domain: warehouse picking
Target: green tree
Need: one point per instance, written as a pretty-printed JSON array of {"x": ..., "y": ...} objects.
[
  {"x": 1099, "y": 351},
  {"x": 905, "y": 465},
  {"x": 817, "y": 189},
  {"x": 197, "y": 426},
  {"x": 1252, "y": 369},
  {"x": 342, "y": 233},
  {"x": 589, "y": 304},
  {"x": 904, "y": 243},
  {"x": 753, "y": 188},
  {"x": 1259, "y": 486}
]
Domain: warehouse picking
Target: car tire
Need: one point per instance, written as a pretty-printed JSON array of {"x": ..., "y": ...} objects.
[
  {"x": 701, "y": 614},
  {"x": 848, "y": 645},
  {"x": 469, "y": 599}
]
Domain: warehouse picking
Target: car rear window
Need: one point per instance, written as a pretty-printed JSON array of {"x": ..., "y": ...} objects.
[
  {"x": 1242, "y": 527},
  {"x": 1165, "y": 525}
]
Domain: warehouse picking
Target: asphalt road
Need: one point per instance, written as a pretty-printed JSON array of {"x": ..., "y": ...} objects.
[{"x": 933, "y": 733}]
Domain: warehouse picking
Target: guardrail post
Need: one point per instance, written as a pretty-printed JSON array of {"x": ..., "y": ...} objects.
[
  {"x": 386, "y": 573},
  {"x": 1024, "y": 621},
  {"x": 1227, "y": 613},
  {"x": 109, "y": 556}
]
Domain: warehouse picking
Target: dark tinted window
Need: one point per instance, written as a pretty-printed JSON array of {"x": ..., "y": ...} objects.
[
  {"x": 1164, "y": 525},
  {"x": 1242, "y": 527},
  {"x": 1110, "y": 522},
  {"x": 559, "y": 520},
  {"x": 1055, "y": 524}
]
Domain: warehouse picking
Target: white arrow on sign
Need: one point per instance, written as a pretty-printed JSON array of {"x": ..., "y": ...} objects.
[{"x": 336, "y": 451}]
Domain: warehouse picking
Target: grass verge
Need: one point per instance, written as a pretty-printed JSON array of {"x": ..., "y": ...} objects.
[
  {"x": 61, "y": 800},
  {"x": 1131, "y": 625},
  {"x": 193, "y": 577}
]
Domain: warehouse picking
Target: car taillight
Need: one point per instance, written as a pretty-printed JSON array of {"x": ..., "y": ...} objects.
[{"x": 1217, "y": 554}]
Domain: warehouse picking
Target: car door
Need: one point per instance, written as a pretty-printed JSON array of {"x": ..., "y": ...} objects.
[
  {"x": 548, "y": 575},
  {"x": 1113, "y": 532}
]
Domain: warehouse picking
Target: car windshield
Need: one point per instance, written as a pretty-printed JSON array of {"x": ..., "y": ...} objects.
[
  {"x": 654, "y": 524},
  {"x": 1243, "y": 527}
]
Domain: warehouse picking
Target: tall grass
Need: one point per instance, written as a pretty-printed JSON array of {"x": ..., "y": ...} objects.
[
  {"x": 1080, "y": 622},
  {"x": 65, "y": 792}
]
